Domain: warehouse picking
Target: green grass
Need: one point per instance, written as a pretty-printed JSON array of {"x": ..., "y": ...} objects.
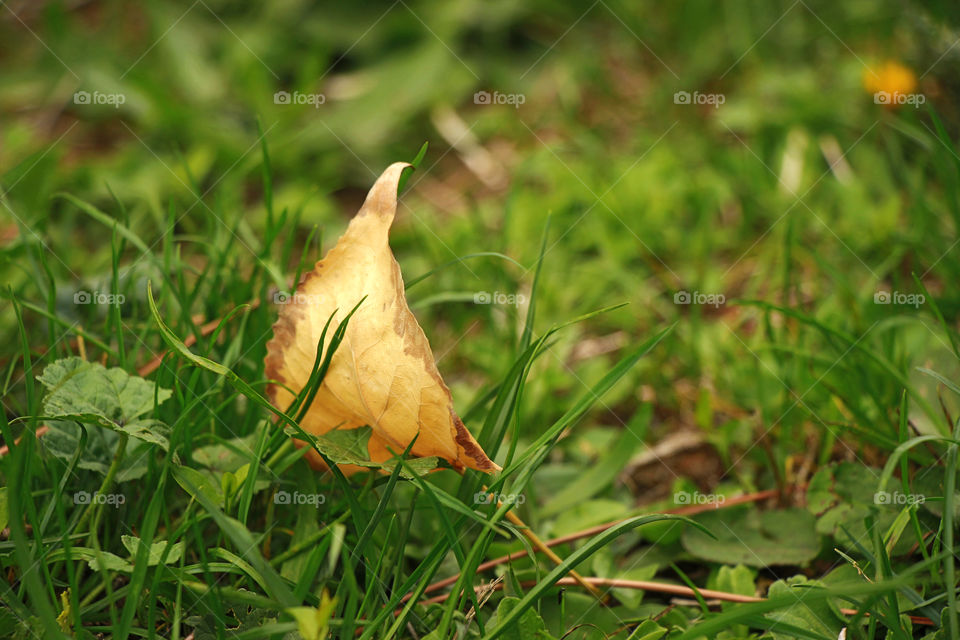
[{"x": 798, "y": 200}]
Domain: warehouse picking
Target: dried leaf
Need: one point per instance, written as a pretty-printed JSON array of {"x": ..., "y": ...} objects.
[{"x": 383, "y": 374}]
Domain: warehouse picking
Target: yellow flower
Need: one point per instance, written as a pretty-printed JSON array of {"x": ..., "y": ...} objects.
[{"x": 889, "y": 80}]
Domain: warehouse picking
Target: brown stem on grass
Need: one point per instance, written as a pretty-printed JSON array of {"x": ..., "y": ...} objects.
[
  {"x": 658, "y": 587},
  {"x": 541, "y": 546},
  {"x": 5, "y": 449},
  {"x": 592, "y": 531},
  {"x": 618, "y": 583},
  {"x": 547, "y": 551}
]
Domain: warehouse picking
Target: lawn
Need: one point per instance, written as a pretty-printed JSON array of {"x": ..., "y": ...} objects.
[{"x": 684, "y": 266}]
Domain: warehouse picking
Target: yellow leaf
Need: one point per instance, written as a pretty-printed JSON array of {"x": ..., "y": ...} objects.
[
  {"x": 64, "y": 618},
  {"x": 383, "y": 374},
  {"x": 312, "y": 622}
]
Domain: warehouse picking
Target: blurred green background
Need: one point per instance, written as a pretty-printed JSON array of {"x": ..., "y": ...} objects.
[
  {"x": 729, "y": 166},
  {"x": 798, "y": 190}
]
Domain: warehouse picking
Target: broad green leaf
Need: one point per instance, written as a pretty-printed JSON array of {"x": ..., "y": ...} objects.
[
  {"x": 755, "y": 538},
  {"x": 843, "y": 496},
  {"x": 112, "y": 562},
  {"x": 529, "y": 626},
  {"x": 133, "y": 545},
  {"x": 845, "y": 482},
  {"x": 228, "y": 455},
  {"x": 63, "y": 440},
  {"x": 817, "y": 616},
  {"x": 346, "y": 446},
  {"x": 249, "y": 618},
  {"x": 790, "y": 598},
  {"x": 738, "y": 579},
  {"x": 96, "y": 559},
  {"x": 90, "y": 393}
]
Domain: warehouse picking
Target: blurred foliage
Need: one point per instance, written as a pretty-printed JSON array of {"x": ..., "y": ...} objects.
[{"x": 797, "y": 203}]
